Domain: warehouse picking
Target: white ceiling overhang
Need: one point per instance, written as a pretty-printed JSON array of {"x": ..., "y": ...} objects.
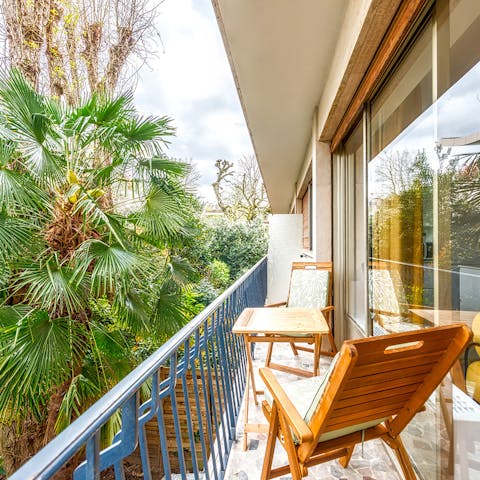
[{"x": 280, "y": 52}]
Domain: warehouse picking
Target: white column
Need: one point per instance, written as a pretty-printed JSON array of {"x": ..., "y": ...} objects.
[{"x": 322, "y": 202}]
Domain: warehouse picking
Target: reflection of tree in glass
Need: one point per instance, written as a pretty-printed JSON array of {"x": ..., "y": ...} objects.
[
  {"x": 398, "y": 224},
  {"x": 398, "y": 171},
  {"x": 465, "y": 201}
]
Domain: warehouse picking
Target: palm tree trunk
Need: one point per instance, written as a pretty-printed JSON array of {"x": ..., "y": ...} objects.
[{"x": 19, "y": 441}]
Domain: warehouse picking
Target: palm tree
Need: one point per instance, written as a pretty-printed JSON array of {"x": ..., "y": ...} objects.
[{"x": 89, "y": 207}]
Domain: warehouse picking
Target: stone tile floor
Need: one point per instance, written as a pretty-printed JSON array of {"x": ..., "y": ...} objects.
[{"x": 373, "y": 463}]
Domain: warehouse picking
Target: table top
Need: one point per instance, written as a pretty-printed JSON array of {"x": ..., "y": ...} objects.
[
  {"x": 444, "y": 317},
  {"x": 285, "y": 321}
]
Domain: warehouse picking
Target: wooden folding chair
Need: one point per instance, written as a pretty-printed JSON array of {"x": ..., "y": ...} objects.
[
  {"x": 310, "y": 287},
  {"x": 373, "y": 389}
]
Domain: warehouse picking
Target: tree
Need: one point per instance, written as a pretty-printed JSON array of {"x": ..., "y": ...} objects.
[
  {"x": 69, "y": 48},
  {"x": 81, "y": 275},
  {"x": 241, "y": 195},
  {"x": 237, "y": 244}
]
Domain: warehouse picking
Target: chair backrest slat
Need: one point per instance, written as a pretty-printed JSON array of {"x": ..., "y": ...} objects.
[
  {"x": 385, "y": 393},
  {"x": 366, "y": 389},
  {"x": 437, "y": 342},
  {"x": 383, "y": 376},
  {"x": 369, "y": 369}
]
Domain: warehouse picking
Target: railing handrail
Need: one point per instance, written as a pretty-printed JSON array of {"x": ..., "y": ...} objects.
[{"x": 78, "y": 432}]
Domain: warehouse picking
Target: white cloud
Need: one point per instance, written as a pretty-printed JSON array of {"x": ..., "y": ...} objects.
[{"x": 191, "y": 82}]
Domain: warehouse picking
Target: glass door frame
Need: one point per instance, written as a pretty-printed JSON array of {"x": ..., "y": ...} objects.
[{"x": 344, "y": 228}]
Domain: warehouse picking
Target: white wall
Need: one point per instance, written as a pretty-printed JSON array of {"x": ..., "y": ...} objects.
[
  {"x": 284, "y": 247},
  {"x": 322, "y": 202}
]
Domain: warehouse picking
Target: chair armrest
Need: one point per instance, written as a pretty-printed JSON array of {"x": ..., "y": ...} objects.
[
  {"x": 411, "y": 305},
  {"x": 279, "y": 304},
  {"x": 284, "y": 404},
  {"x": 385, "y": 312},
  {"x": 328, "y": 309}
]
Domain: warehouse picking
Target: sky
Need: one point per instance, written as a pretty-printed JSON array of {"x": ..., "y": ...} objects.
[{"x": 190, "y": 81}]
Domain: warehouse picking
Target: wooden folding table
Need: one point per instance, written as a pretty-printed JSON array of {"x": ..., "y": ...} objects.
[{"x": 265, "y": 325}]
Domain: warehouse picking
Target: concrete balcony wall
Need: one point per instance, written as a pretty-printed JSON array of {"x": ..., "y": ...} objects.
[{"x": 284, "y": 247}]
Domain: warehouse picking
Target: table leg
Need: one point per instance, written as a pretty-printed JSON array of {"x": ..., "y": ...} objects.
[
  {"x": 248, "y": 427},
  {"x": 316, "y": 354},
  {"x": 245, "y": 423},
  {"x": 250, "y": 382},
  {"x": 250, "y": 368}
]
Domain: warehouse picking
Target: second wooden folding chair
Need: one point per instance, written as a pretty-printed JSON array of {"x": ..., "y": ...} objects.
[{"x": 310, "y": 287}]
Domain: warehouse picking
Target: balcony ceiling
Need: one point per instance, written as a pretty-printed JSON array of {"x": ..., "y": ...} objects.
[{"x": 280, "y": 52}]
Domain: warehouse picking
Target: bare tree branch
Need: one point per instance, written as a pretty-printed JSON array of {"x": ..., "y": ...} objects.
[
  {"x": 241, "y": 195},
  {"x": 73, "y": 48}
]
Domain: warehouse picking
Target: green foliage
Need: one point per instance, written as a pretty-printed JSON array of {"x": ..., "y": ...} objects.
[
  {"x": 237, "y": 244},
  {"x": 219, "y": 274},
  {"x": 205, "y": 292}
]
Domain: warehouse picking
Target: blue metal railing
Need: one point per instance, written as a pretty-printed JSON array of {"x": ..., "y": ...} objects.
[{"x": 187, "y": 425}]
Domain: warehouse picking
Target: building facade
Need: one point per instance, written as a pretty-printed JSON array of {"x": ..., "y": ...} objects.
[{"x": 365, "y": 118}]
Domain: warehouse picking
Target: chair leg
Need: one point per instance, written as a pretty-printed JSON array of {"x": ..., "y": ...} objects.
[
  {"x": 295, "y": 468},
  {"x": 294, "y": 348},
  {"x": 271, "y": 440},
  {"x": 403, "y": 457},
  {"x": 269, "y": 354},
  {"x": 344, "y": 461},
  {"x": 332, "y": 342}
]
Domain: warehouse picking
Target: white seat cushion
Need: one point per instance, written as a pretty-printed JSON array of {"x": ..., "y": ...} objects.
[{"x": 306, "y": 394}]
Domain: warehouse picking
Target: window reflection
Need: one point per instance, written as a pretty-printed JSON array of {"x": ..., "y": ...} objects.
[{"x": 424, "y": 211}]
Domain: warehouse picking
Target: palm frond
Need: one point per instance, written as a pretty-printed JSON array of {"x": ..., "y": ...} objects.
[
  {"x": 170, "y": 312},
  {"x": 111, "y": 352},
  {"x": 57, "y": 111},
  {"x": 24, "y": 113},
  {"x": 11, "y": 315},
  {"x": 137, "y": 130},
  {"x": 36, "y": 355},
  {"x": 108, "y": 264},
  {"x": 180, "y": 271},
  {"x": 16, "y": 235},
  {"x": 22, "y": 107},
  {"x": 19, "y": 194},
  {"x": 43, "y": 164},
  {"x": 162, "y": 214},
  {"x": 163, "y": 166},
  {"x": 94, "y": 214},
  {"x": 7, "y": 151},
  {"x": 132, "y": 311},
  {"x": 106, "y": 110},
  {"x": 80, "y": 393},
  {"x": 51, "y": 286}
]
